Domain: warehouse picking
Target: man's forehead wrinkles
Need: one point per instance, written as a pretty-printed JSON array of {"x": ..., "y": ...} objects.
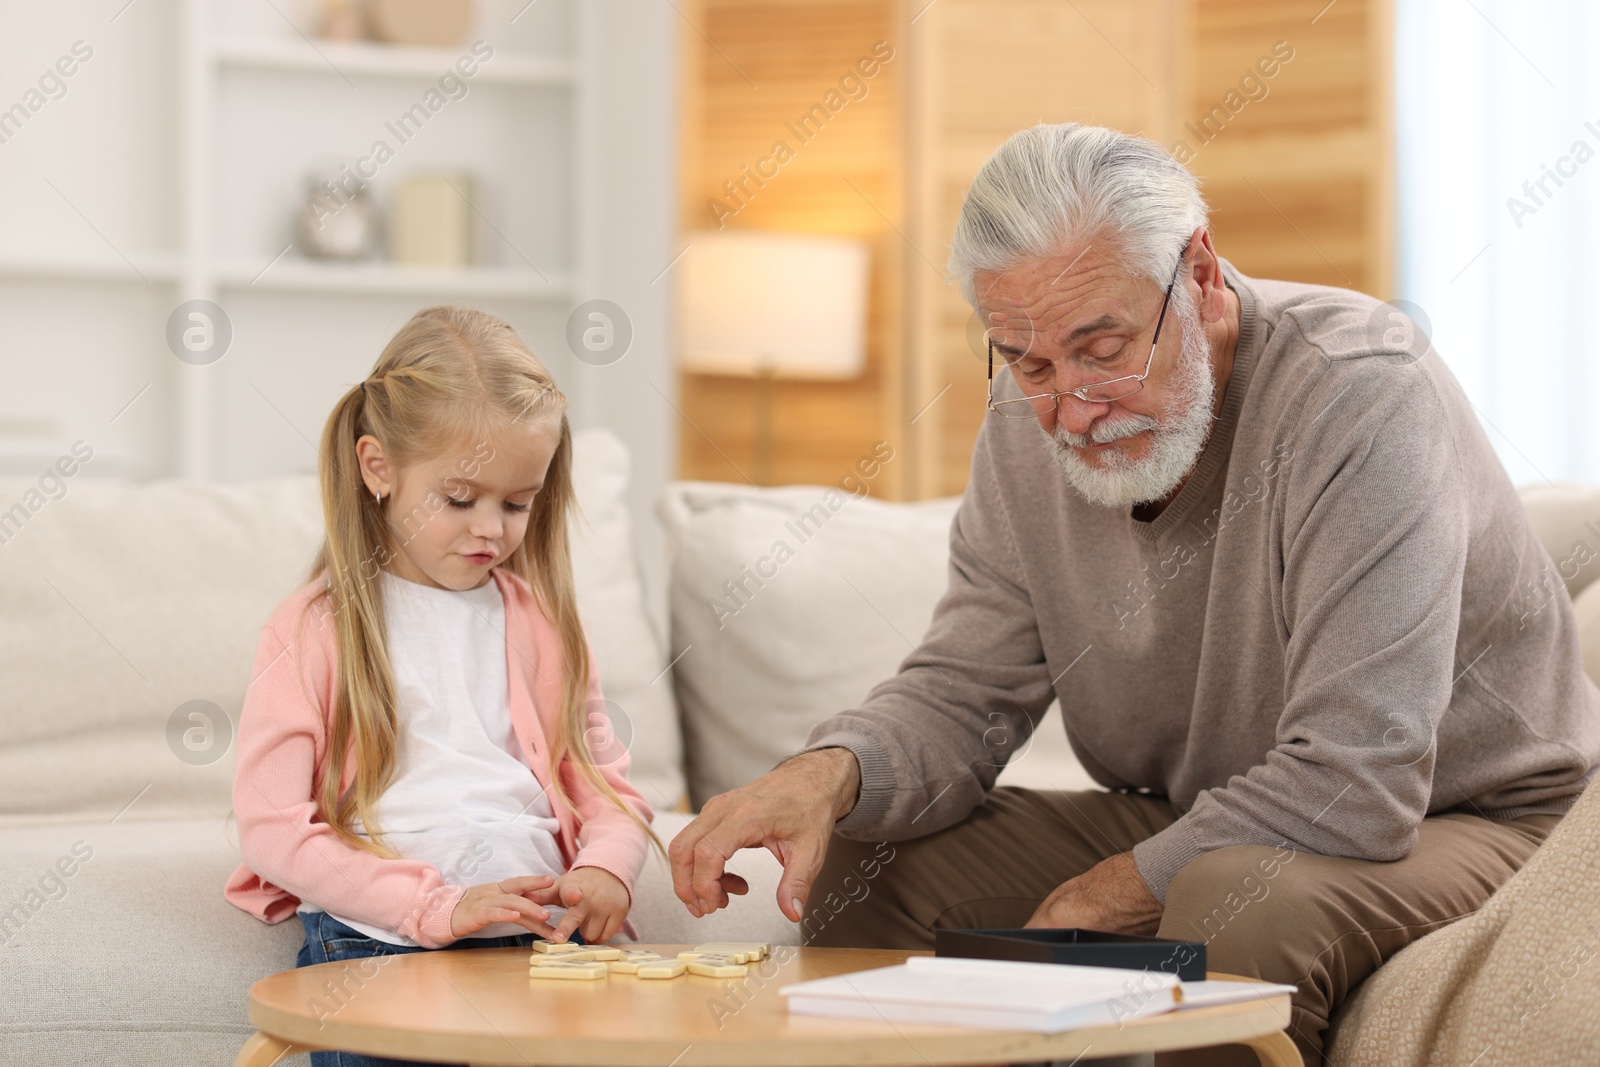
[
  {"x": 1060, "y": 319},
  {"x": 1086, "y": 250},
  {"x": 1062, "y": 302}
]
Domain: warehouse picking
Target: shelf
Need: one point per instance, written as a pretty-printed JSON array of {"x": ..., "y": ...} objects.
[
  {"x": 388, "y": 61},
  {"x": 27, "y": 458},
  {"x": 301, "y": 275},
  {"x": 107, "y": 268}
]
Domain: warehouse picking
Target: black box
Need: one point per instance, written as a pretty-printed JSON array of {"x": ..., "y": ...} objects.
[{"x": 1087, "y": 948}]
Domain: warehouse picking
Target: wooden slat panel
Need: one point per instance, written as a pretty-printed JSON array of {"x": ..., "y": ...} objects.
[
  {"x": 1004, "y": 65},
  {"x": 1299, "y": 178},
  {"x": 1296, "y": 177},
  {"x": 759, "y": 69}
]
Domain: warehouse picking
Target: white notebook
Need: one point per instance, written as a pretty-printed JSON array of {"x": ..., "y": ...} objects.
[
  {"x": 1217, "y": 991},
  {"x": 999, "y": 994}
]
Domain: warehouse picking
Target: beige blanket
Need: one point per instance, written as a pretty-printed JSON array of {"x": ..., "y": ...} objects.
[{"x": 1518, "y": 983}]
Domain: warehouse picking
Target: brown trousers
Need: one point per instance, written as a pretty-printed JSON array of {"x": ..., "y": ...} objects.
[{"x": 1319, "y": 923}]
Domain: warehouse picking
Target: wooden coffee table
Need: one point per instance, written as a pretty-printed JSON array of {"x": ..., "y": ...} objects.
[{"x": 479, "y": 1006}]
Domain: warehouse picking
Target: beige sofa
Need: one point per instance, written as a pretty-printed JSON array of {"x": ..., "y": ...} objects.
[{"x": 128, "y": 621}]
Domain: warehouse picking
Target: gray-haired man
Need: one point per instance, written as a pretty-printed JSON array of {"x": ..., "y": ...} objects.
[{"x": 1271, "y": 568}]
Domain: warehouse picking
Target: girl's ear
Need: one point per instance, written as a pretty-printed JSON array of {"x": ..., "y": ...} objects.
[{"x": 374, "y": 465}]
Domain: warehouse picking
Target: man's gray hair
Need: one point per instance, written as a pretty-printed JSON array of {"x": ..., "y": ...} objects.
[{"x": 1054, "y": 184}]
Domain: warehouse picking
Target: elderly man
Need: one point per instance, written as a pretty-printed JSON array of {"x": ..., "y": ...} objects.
[{"x": 1265, "y": 558}]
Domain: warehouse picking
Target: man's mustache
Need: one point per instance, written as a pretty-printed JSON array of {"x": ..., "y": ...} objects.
[{"x": 1106, "y": 432}]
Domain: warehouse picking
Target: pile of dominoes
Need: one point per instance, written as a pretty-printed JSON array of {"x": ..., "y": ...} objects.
[{"x": 718, "y": 959}]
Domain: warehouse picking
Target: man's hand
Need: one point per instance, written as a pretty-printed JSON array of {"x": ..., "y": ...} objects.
[
  {"x": 1109, "y": 896},
  {"x": 790, "y": 811}
]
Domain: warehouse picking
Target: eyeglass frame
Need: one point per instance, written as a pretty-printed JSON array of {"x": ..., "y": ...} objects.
[{"x": 1056, "y": 395}]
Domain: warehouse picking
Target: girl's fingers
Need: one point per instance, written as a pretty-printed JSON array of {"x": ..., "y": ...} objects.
[
  {"x": 569, "y": 923},
  {"x": 525, "y": 914},
  {"x": 525, "y": 882},
  {"x": 534, "y": 906},
  {"x": 536, "y": 926}
]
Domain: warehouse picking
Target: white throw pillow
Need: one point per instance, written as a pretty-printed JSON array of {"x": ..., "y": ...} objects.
[
  {"x": 788, "y": 605},
  {"x": 629, "y": 654}
]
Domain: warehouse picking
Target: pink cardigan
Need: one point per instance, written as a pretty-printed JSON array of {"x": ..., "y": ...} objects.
[{"x": 290, "y": 854}]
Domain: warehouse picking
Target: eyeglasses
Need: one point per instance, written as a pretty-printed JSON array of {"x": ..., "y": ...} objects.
[{"x": 1030, "y": 407}]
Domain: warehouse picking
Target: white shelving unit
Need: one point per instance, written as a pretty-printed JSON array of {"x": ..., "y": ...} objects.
[
  {"x": 259, "y": 105},
  {"x": 169, "y": 171},
  {"x": 74, "y": 268},
  {"x": 302, "y": 276},
  {"x": 393, "y": 61},
  {"x": 236, "y": 79}
]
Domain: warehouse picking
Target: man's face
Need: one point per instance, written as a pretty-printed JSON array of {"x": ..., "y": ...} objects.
[{"x": 1075, "y": 319}]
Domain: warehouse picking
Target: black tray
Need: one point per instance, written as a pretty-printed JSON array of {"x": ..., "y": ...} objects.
[{"x": 1088, "y": 948}]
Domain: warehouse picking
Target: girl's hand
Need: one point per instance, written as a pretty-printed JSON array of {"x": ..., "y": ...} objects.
[
  {"x": 596, "y": 903},
  {"x": 508, "y": 900}
]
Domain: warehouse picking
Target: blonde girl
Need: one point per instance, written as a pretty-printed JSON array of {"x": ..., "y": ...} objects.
[{"x": 424, "y": 756}]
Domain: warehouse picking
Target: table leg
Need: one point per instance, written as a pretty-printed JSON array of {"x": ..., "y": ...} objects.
[
  {"x": 263, "y": 1051},
  {"x": 1276, "y": 1050}
]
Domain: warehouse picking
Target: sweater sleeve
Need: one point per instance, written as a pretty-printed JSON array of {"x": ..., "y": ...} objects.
[
  {"x": 932, "y": 739},
  {"x": 282, "y": 737},
  {"x": 1373, "y": 546}
]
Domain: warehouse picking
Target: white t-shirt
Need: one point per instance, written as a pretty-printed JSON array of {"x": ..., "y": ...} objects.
[{"x": 462, "y": 797}]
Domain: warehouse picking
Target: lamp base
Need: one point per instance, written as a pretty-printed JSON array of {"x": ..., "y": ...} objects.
[{"x": 764, "y": 397}]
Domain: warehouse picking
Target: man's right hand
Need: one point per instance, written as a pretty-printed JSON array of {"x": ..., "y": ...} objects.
[{"x": 790, "y": 811}]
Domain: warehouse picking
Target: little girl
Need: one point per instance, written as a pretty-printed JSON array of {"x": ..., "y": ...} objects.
[{"x": 424, "y": 757}]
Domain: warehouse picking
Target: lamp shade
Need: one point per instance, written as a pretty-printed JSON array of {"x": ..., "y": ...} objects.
[{"x": 794, "y": 305}]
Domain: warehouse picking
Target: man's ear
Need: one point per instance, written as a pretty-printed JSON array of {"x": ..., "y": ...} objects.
[
  {"x": 1206, "y": 269},
  {"x": 374, "y": 465}
]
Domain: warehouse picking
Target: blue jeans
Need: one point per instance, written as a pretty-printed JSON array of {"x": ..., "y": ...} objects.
[{"x": 329, "y": 940}]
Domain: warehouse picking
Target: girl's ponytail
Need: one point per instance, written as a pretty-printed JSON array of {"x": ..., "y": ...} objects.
[{"x": 355, "y": 549}]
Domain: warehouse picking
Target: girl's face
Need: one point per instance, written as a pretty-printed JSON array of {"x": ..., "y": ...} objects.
[{"x": 456, "y": 516}]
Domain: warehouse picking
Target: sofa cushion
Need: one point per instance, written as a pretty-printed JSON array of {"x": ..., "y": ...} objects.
[
  {"x": 127, "y": 951},
  {"x": 788, "y": 605},
  {"x": 122, "y": 602},
  {"x": 1588, "y": 609},
  {"x": 1510, "y": 984},
  {"x": 136, "y": 950},
  {"x": 1567, "y": 520}
]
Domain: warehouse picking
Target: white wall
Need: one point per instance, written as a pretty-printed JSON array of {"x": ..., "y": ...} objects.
[{"x": 639, "y": 197}]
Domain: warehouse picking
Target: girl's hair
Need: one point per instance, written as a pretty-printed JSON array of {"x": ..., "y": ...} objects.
[{"x": 450, "y": 376}]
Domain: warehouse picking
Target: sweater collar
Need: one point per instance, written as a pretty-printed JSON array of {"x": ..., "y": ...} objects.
[{"x": 1214, "y": 457}]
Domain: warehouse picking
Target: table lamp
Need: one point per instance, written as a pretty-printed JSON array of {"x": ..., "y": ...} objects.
[{"x": 773, "y": 305}]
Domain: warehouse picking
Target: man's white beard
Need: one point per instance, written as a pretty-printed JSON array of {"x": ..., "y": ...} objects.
[{"x": 1175, "y": 441}]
